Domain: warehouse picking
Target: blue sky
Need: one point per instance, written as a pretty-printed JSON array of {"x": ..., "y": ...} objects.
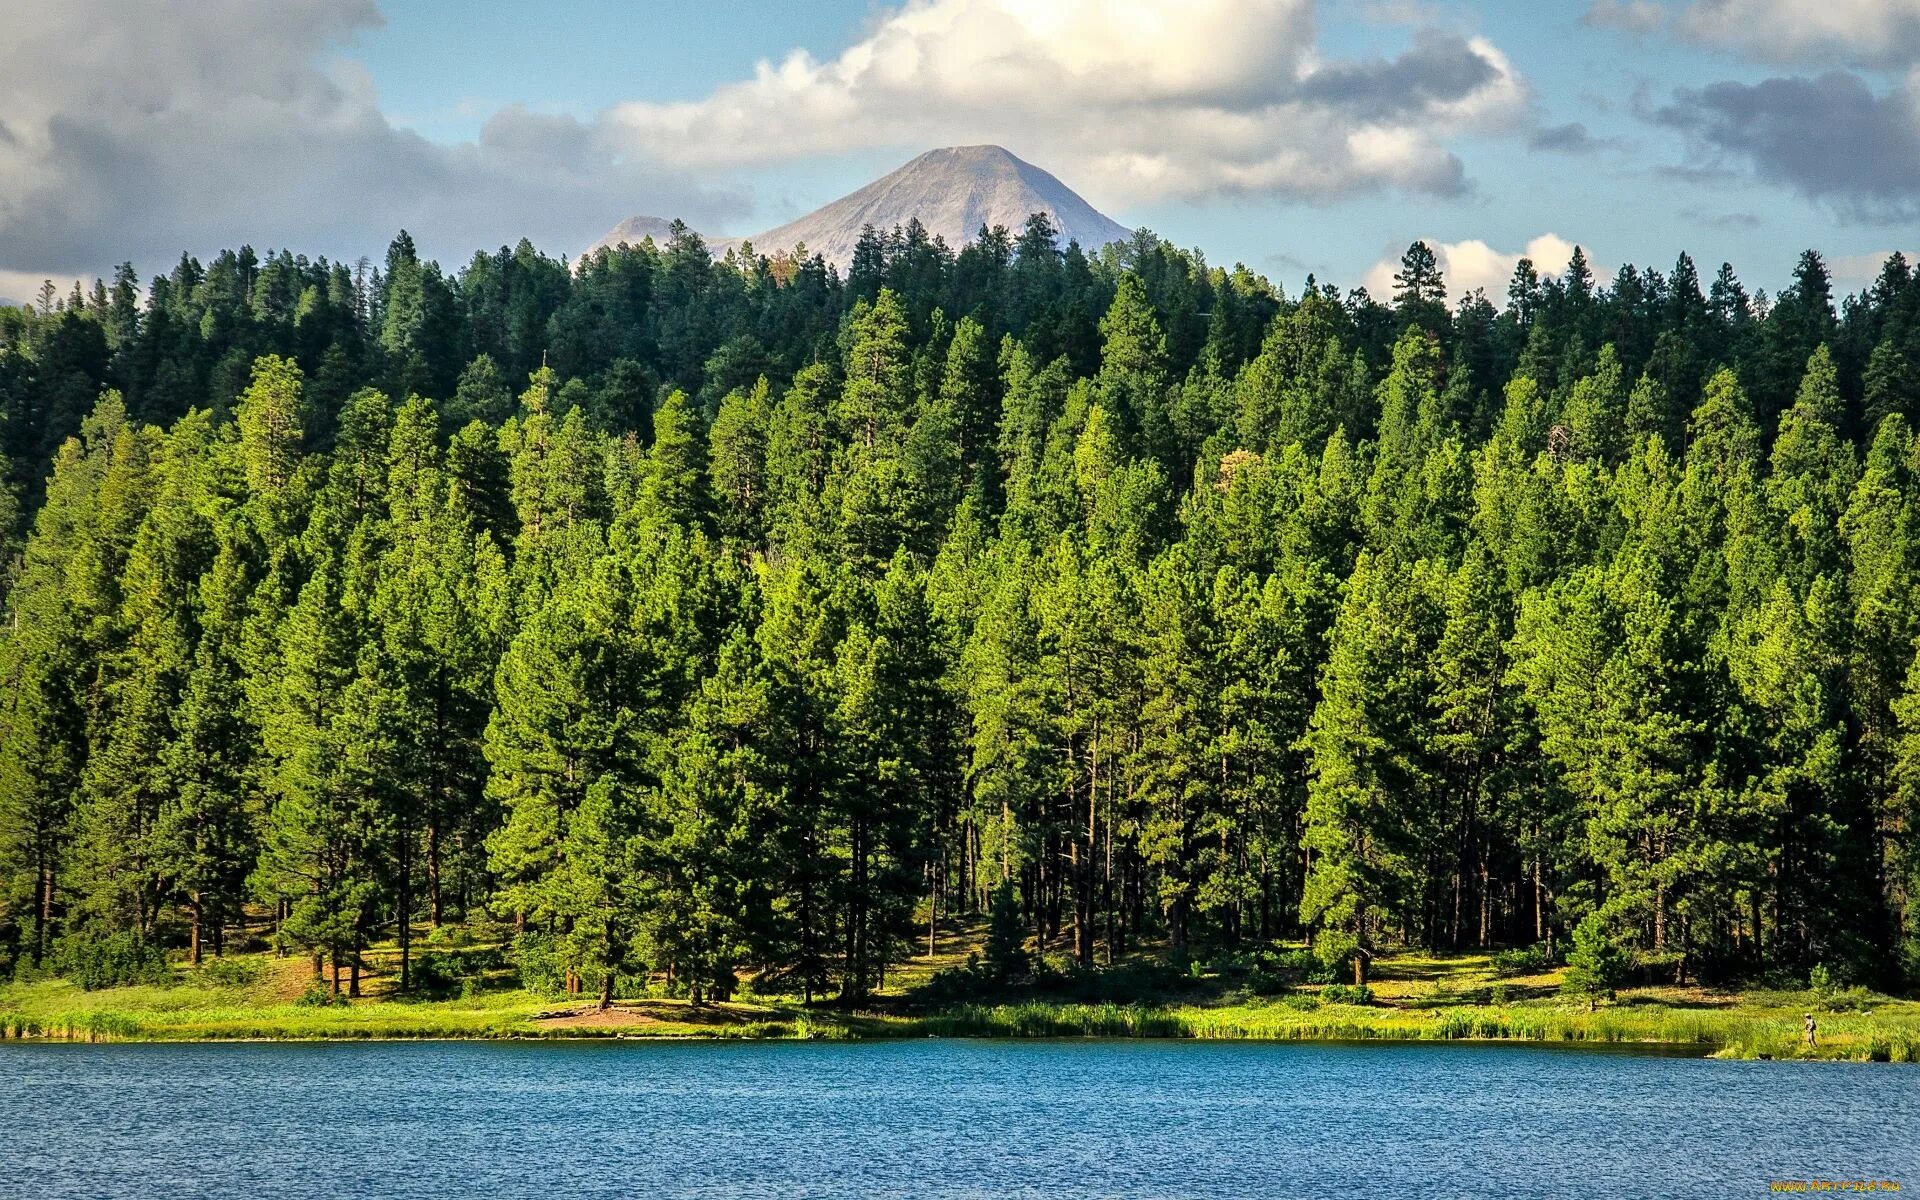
[{"x": 1290, "y": 135}]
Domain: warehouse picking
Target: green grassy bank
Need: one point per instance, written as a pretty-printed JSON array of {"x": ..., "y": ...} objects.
[{"x": 1416, "y": 998}]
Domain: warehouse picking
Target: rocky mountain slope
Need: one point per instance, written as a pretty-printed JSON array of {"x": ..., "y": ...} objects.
[{"x": 953, "y": 192}]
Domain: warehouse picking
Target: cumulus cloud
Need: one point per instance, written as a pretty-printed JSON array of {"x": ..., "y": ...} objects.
[
  {"x": 1132, "y": 99},
  {"x": 1857, "y": 33},
  {"x": 1870, "y": 33},
  {"x": 1852, "y": 272},
  {"x": 1831, "y": 138},
  {"x": 1474, "y": 265},
  {"x": 1629, "y": 16},
  {"x": 139, "y": 128},
  {"x": 1572, "y": 138}
]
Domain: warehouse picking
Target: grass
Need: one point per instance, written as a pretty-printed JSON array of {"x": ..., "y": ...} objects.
[
  {"x": 1735, "y": 1032},
  {"x": 1418, "y": 997}
]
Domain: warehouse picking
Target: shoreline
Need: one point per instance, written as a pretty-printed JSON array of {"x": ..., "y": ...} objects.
[
  {"x": 1729, "y": 1035},
  {"x": 1414, "y": 998}
]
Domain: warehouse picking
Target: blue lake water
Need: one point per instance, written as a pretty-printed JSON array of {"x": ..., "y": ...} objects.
[{"x": 937, "y": 1119}]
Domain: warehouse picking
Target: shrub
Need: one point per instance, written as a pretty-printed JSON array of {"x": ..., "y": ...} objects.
[
  {"x": 227, "y": 972},
  {"x": 445, "y": 972},
  {"x": 536, "y": 959},
  {"x": 449, "y": 935},
  {"x": 1598, "y": 966},
  {"x": 1345, "y": 993},
  {"x": 1261, "y": 982},
  {"x": 1301, "y": 966},
  {"x": 1006, "y": 948},
  {"x": 318, "y": 995},
  {"x": 1528, "y": 960},
  {"x": 1821, "y": 983},
  {"x": 97, "y": 961}
]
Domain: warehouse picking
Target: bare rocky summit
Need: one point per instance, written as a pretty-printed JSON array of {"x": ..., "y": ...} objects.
[{"x": 953, "y": 192}]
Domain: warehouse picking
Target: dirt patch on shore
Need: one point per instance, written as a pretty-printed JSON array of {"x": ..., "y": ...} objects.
[
  {"x": 643, "y": 1015},
  {"x": 592, "y": 1017}
]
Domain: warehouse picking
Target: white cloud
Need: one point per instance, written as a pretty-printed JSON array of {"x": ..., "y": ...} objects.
[
  {"x": 1867, "y": 33},
  {"x": 139, "y": 128},
  {"x": 1852, "y": 272},
  {"x": 1474, "y": 264},
  {"x": 1131, "y": 99},
  {"x": 1629, "y": 16}
]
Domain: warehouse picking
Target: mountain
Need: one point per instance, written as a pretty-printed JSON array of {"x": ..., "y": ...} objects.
[
  {"x": 952, "y": 191},
  {"x": 635, "y": 230}
]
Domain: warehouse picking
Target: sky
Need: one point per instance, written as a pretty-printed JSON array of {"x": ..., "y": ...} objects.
[{"x": 1293, "y": 136}]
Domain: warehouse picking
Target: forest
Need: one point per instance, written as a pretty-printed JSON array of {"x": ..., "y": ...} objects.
[{"x": 710, "y": 623}]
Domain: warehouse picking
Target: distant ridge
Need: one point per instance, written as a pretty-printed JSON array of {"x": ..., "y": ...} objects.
[{"x": 953, "y": 192}]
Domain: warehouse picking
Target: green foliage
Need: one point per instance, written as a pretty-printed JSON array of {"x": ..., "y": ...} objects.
[
  {"x": 1597, "y": 965},
  {"x": 456, "y": 972},
  {"x": 785, "y": 620},
  {"x": 1006, "y": 946},
  {"x": 96, "y": 961},
  {"x": 318, "y": 995},
  {"x": 1525, "y": 960},
  {"x": 536, "y": 960},
  {"x": 228, "y": 973}
]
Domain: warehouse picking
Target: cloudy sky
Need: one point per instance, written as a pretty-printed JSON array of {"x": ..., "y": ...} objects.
[{"x": 1290, "y": 135}]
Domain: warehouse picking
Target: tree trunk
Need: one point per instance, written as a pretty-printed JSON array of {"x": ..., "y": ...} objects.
[
  {"x": 43, "y": 916},
  {"x": 1083, "y": 866},
  {"x": 434, "y": 913},
  {"x": 1486, "y": 896},
  {"x": 606, "y": 991},
  {"x": 406, "y": 910}
]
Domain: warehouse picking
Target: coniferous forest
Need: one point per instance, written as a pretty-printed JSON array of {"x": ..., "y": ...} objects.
[{"x": 733, "y": 620}]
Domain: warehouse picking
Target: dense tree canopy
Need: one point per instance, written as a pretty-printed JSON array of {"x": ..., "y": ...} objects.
[{"x": 730, "y": 619}]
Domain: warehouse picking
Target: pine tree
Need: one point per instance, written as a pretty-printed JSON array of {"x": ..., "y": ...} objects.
[
  {"x": 737, "y": 462},
  {"x": 270, "y": 416},
  {"x": 562, "y": 723},
  {"x": 1370, "y": 768}
]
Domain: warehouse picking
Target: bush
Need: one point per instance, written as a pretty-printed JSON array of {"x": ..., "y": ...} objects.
[
  {"x": 1831, "y": 997},
  {"x": 227, "y": 972},
  {"x": 1261, "y": 982},
  {"x": 536, "y": 959},
  {"x": 25, "y": 972},
  {"x": 1529, "y": 960},
  {"x": 446, "y": 972},
  {"x": 1598, "y": 966},
  {"x": 1822, "y": 984},
  {"x": 1300, "y": 966},
  {"x": 1230, "y": 965},
  {"x": 318, "y": 995},
  {"x": 1006, "y": 948},
  {"x": 1853, "y": 999},
  {"x": 111, "y": 960},
  {"x": 1345, "y": 993}
]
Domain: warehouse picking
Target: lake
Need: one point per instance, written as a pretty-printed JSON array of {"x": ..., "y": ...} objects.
[{"x": 935, "y": 1119}]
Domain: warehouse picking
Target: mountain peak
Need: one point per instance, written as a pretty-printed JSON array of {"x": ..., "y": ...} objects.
[
  {"x": 953, "y": 191},
  {"x": 971, "y": 154}
]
